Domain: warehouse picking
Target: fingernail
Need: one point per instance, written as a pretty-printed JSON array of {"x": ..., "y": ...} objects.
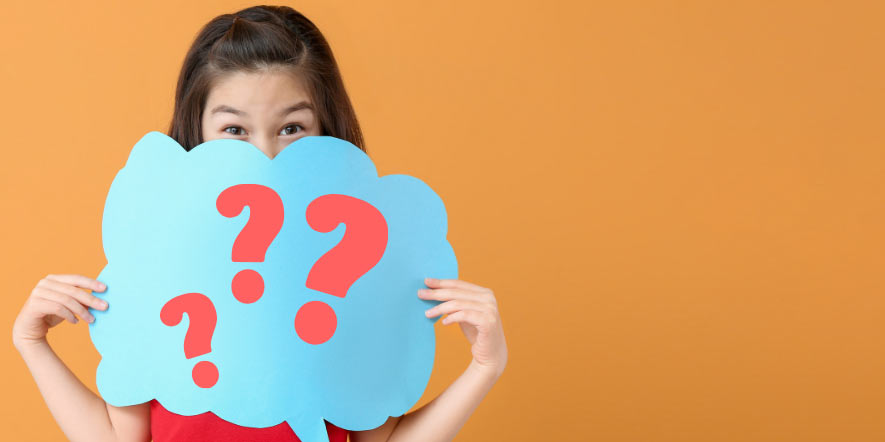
[
  {"x": 427, "y": 313},
  {"x": 101, "y": 286},
  {"x": 103, "y": 304},
  {"x": 423, "y": 291},
  {"x": 431, "y": 280}
]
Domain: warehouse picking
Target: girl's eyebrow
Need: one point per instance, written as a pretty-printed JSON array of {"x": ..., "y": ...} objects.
[{"x": 286, "y": 111}]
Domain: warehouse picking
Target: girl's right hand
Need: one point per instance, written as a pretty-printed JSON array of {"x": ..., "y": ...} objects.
[{"x": 54, "y": 299}]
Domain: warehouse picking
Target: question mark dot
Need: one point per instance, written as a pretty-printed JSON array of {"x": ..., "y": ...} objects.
[
  {"x": 247, "y": 286},
  {"x": 315, "y": 322},
  {"x": 205, "y": 374}
]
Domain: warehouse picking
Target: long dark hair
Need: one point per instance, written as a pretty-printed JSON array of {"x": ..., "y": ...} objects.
[{"x": 253, "y": 39}]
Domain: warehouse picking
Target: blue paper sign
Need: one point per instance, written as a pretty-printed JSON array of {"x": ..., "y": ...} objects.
[{"x": 268, "y": 290}]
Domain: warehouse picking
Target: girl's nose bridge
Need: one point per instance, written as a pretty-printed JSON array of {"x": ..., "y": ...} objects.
[{"x": 266, "y": 144}]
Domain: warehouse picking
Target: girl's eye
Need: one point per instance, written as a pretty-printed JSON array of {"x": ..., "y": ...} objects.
[
  {"x": 292, "y": 125},
  {"x": 232, "y": 127}
]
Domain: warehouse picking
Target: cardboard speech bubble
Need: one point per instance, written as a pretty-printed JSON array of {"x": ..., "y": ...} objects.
[{"x": 268, "y": 290}]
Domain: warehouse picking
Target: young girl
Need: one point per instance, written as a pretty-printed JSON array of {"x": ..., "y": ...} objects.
[{"x": 264, "y": 75}]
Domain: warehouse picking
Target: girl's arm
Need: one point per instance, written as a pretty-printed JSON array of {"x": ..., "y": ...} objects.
[
  {"x": 475, "y": 309},
  {"x": 81, "y": 414}
]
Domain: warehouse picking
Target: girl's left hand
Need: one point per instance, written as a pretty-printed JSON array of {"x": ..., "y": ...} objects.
[{"x": 475, "y": 309}]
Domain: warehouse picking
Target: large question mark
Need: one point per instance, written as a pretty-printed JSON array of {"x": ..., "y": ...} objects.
[
  {"x": 198, "y": 338},
  {"x": 265, "y": 221},
  {"x": 362, "y": 246}
]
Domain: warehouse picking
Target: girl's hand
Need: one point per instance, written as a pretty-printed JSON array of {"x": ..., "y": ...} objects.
[
  {"x": 475, "y": 309},
  {"x": 54, "y": 299}
]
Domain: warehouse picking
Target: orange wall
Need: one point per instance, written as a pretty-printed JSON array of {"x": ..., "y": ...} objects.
[{"x": 680, "y": 208}]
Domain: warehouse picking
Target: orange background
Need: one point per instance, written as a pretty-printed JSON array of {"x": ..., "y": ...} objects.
[{"x": 679, "y": 207}]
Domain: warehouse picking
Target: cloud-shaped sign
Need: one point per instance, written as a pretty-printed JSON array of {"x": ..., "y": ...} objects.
[{"x": 268, "y": 290}]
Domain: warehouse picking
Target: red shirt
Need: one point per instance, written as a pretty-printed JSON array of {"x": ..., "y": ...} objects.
[{"x": 170, "y": 427}]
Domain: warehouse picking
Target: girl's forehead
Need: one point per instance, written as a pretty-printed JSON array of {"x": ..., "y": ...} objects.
[{"x": 259, "y": 87}]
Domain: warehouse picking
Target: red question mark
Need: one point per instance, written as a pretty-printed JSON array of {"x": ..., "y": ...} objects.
[
  {"x": 198, "y": 339},
  {"x": 362, "y": 246},
  {"x": 265, "y": 221}
]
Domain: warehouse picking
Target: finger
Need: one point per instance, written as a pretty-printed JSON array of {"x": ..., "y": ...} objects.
[
  {"x": 67, "y": 301},
  {"x": 449, "y": 294},
  {"x": 81, "y": 296},
  {"x": 454, "y": 283},
  {"x": 450, "y": 307},
  {"x": 473, "y": 317},
  {"x": 79, "y": 281},
  {"x": 47, "y": 307}
]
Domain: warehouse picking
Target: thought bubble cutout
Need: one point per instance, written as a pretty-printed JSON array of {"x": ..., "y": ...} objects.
[{"x": 163, "y": 236}]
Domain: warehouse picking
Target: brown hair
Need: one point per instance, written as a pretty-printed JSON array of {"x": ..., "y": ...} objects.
[{"x": 258, "y": 38}]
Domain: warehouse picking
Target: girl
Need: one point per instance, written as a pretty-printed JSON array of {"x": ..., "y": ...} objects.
[{"x": 265, "y": 75}]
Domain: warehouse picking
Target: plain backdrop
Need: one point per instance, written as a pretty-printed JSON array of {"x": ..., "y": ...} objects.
[{"x": 679, "y": 205}]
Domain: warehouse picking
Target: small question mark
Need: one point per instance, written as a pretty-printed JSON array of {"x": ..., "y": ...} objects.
[
  {"x": 265, "y": 221},
  {"x": 198, "y": 338},
  {"x": 362, "y": 246}
]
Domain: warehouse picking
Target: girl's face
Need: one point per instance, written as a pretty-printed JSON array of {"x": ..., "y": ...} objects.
[{"x": 270, "y": 109}]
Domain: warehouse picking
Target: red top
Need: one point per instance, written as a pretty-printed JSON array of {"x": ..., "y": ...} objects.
[{"x": 170, "y": 427}]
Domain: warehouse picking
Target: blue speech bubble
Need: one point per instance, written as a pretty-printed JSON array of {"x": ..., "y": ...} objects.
[{"x": 228, "y": 340}]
